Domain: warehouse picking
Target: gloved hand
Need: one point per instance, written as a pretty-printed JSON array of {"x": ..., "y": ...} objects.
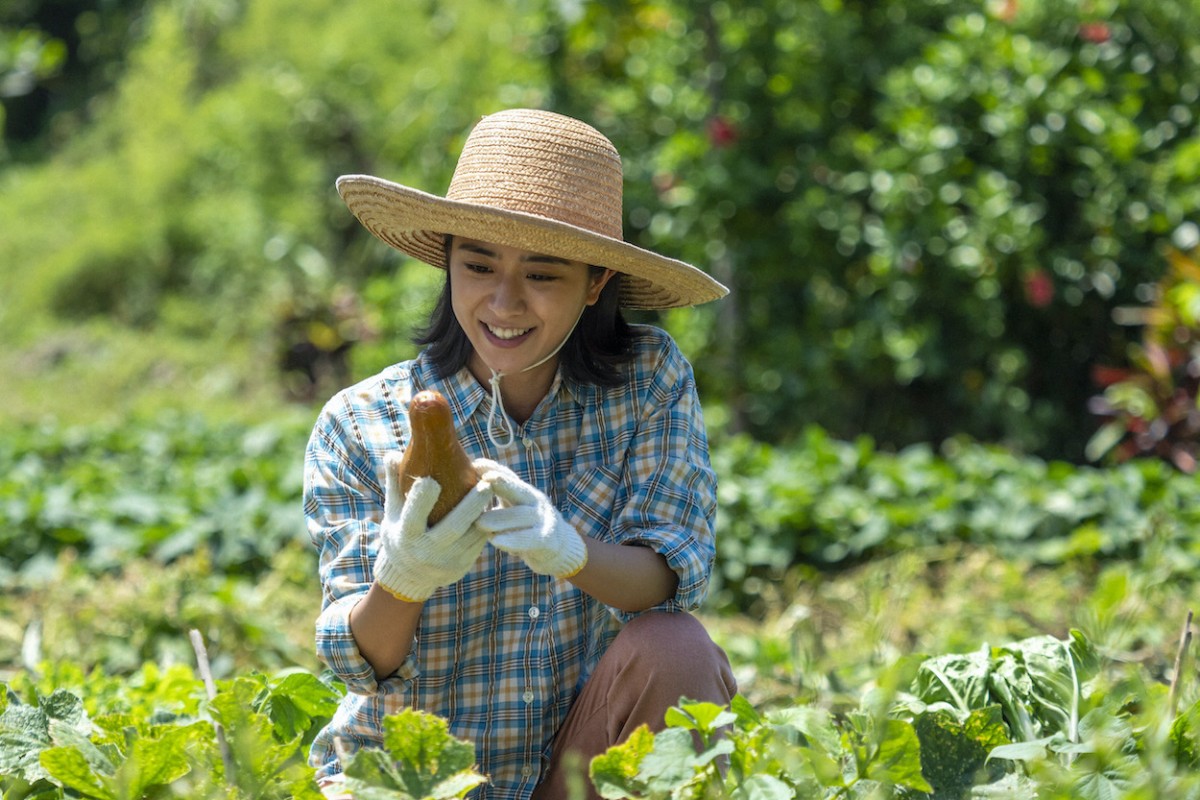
[
  {"x": 415, "y": 559},
  {"x": 528, "y": 525}
]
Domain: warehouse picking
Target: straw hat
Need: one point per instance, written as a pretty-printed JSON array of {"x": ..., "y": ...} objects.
[{"x": 537, "y": 181}]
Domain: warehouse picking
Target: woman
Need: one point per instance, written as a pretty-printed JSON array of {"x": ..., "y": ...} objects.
[{"x": 546, "y": 616}]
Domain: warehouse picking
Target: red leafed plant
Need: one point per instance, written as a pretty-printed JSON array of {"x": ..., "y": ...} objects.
[{"x": 1152, "y": 407}]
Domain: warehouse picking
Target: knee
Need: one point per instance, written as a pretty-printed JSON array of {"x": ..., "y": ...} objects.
[{"x": 661, "y": 642}]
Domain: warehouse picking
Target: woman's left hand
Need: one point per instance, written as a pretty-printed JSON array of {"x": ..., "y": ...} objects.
[{"x": 528, "y": 525}]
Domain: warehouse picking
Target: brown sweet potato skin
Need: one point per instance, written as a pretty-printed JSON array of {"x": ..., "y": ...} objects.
[{"x": 434, "y": 452}]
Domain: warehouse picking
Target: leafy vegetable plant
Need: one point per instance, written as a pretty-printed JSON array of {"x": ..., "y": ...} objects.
[{"x": 1027, "y": 719}]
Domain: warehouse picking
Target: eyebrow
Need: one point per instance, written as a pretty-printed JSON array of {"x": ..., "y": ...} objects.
[{"x": 533, "y": 258}]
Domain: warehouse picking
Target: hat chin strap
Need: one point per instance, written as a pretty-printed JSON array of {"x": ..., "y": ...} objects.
[{"x": 498, "y": 422}]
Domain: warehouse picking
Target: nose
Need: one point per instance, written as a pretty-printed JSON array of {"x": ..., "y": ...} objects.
[{"x": 508, "y": 297}]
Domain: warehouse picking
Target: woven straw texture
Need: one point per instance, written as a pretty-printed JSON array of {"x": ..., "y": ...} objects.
[{"x": 537, "y": 181}]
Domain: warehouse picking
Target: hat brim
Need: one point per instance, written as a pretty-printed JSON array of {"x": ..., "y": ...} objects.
[{"x": 416, "y": 223}]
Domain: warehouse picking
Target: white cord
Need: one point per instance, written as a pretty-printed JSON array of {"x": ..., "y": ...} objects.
[{"x": 497, "y": 411}]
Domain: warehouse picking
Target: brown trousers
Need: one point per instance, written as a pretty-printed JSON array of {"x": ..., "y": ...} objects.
[{"x": 656, "y": 659}]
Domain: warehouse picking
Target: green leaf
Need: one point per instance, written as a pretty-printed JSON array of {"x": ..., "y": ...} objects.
[
  {"x": 763, "y": 787},
  {"x": 68, "y": 766},
  {"x": 671, "y": 763},
  {"x": 420, "y": 760},
  {"x": 426, "y": 752},
  {"x": 959, "y": 679},
  {"x": 898, "y": 758},
  {"x": 954, "y": 754},
  {"x": 372, "y": 773},
  {"x": 152, "y": 763},
  {"x": 747, "y": 715},
  {"x": 1185, "y": 737},
  {"x": 294, "y": 702},
  {"x": 24, "y": 733},
  {"x": 814, "y": 724},
  {"x": 1102, "y": 785},
  {"x": 615, "y": 772},
  {"x": 1032, "y": 750},
  {"x": 703, "y": 717},
  {"x": 102, "y": 758},
  {"x": 258, "y": 756}
]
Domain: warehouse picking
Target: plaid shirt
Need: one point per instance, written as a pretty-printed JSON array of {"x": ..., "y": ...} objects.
[{"x": 502, "y": 653}]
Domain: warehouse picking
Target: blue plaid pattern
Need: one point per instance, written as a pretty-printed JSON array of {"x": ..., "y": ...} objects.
[{"x": 503, "y": 653}]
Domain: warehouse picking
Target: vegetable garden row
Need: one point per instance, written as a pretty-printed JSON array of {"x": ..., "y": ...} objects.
[{"x": 837, "y": 561}]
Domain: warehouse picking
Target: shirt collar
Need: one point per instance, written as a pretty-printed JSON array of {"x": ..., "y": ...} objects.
[{"x": 465, "y": 394}]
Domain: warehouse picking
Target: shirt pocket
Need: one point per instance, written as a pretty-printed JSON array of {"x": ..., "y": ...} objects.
[{"x": 592, "y": 497}]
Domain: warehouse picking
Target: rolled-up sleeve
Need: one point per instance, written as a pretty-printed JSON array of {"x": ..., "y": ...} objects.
[
  {"x": 343, "y": 506},
  {"x": 669, "y": 486}
]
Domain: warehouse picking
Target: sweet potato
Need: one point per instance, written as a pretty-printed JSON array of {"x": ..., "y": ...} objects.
[{"x": 434, "y": 452}]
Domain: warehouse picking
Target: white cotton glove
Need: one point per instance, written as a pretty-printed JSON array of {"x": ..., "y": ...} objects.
[
  {"x": 415, "y": 559},
  {"x": 528, "y": 525}
]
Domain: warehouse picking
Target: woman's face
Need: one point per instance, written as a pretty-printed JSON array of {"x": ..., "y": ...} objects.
[{"x": 517, "y": 307}]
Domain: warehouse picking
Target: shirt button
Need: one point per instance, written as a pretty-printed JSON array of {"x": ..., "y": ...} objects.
[
  {"x": 534, "y": 612},
  {"x": 528, "y": 696},
  {"x": 527, "y": 442},
  {"x": 526, "y": 770}
]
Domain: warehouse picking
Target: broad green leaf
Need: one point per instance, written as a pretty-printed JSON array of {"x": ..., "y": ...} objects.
[
  {"x": 26, "y": 730},
  {"x": 615, "y": 771},
  {"x": 959, "y": 679},
  {"x": 748, "y": 716},
  {"x": 763, "y": 787},
  {"x": 103, "y": 758},
  {"x": 703, "y": 717},
  {"x": 1022, "y": 751},
  {"x": 373, "y": 770},
  {"x": 426, "y": 752},
  {"x": 258, "y": 756},
  {"x": 457, "y": 785},
  {"x": 671, "y": 762},
  {"x": 898, "y": 758},
  {"x": 827, "y": 768},
  {"x": 295, "y": 701},
  {"x": 1106, "y": 785},
  {"x": 954, "y": 754},
  {"x": 24, "y": 733},
  {"x": 152, "y": 763},
  {"x": 68, "y": 766},
  {"x": 1185, "y": 737},
  {"x": 814, "y": 724},
  {"x": 64, "y": 706}
]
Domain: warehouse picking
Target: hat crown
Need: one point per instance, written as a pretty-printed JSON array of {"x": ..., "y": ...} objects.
[{"x": 544, "y": 164}]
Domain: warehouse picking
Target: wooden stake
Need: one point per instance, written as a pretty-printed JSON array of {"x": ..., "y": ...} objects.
[
  {"x": 211, "y": 687},
  {"x": 1185, "y": 639}
]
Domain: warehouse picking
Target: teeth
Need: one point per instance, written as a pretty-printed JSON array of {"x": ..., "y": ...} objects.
[{"x": 507, "y": 333}]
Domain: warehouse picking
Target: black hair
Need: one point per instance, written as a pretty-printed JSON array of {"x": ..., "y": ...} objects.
[{"x": 595, "y": 352}]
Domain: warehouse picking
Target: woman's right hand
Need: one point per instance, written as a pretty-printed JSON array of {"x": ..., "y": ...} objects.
[{"x": 414, "y": 559}]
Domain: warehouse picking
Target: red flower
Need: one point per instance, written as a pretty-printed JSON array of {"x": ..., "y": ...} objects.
[
  {"x": 1103, "y": 375},
  {"x": 1095, "y": 32},
  {"x": 1039, "y": 288},
  {"x": 722, "y": 132}
]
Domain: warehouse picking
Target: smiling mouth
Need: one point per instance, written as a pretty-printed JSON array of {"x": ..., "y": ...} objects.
[{"x": 506, "y": 333}]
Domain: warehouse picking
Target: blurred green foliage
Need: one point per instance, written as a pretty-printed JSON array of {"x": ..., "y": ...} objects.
[
  {"x": 927, "y": 209},
  {"x": 178, "y": 486}
]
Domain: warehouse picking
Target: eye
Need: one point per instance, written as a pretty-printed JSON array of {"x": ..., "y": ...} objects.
[
  {"x": 481, "y": 269},
  {"x": 542, "y": 277}
]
